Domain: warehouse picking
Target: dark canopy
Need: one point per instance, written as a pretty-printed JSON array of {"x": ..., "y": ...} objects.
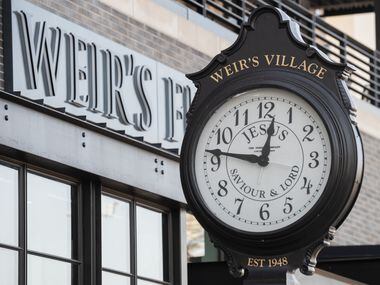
[{"x": 340, "y": 7}]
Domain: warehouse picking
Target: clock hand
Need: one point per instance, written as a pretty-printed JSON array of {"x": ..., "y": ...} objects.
[
  {"x": 247, "y": 157},
  {"x": 264, "y": 157}
]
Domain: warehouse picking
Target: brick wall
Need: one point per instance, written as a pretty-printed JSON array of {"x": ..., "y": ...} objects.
[
  {"x": 122, "y": 29},
  {"x": 362, "y": 225}
]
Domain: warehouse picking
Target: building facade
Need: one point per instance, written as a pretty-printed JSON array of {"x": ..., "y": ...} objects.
[{"x": 93, "y": 109}]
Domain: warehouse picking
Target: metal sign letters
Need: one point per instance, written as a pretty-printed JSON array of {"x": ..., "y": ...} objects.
[{"x": 89, "y": 75}]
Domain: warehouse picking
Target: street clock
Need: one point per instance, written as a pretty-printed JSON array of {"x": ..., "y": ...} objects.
[{"x": 272, "y": 159}]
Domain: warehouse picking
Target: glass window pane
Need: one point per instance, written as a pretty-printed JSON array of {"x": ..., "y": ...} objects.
[
  {"x": 8, "y": 267},
  {"x": 114, "y": 279},
  {"x": 115, "y": 234},
  {"x": 49, "y": 216},
  {"x": 44, "y": 271},
  {"x": 8, "y": 205},
  {"x": 150, "y": 254}
]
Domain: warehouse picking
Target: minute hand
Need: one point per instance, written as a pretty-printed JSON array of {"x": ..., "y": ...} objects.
[{"x": 247, "y": 157}]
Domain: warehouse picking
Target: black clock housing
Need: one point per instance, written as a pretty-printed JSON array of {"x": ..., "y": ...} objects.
[{"x": 269, "y": 31}]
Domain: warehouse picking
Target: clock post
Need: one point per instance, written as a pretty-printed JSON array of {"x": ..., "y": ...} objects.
[{"x": 272, "y": 159}]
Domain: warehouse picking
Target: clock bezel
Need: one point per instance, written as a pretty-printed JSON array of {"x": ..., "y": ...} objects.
[
  {"x": 331, "y": 207},
  {"x": 265, "y": 94}
]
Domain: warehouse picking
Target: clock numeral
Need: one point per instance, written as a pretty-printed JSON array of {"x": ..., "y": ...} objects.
[
  {"x": 225, "y": 135},
  {"x": 264, "y": 214},
  {"x": 288, "y": 207},
  {"x": 268, "y": 106},
  {"x": 314, "y": 155},
  {"x": 245, "y": 115},
  {"x": 240, "y": 201},
  {"x": 290, "y": 112},
  {"x": 215, "y": 161},
  {"x": 308, "y": 129},
  {"x": 307, "y": 185},
  {"x": 222, "y": 192}
]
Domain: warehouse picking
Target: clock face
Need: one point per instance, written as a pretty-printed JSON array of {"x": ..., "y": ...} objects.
[{"x": 262, "y": 160}]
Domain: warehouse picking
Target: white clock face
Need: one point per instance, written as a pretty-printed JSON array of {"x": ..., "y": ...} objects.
[{"x": 262, "y": 160}]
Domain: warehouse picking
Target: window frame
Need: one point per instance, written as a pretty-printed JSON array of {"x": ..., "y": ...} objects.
[
  {"x": 22, "y": 248},
  {"x": 76, "y": 222},
  {"x": 168, "y": 253},
  {"x": 18, "y": 249},
  {"x": 87, "y": 266}
]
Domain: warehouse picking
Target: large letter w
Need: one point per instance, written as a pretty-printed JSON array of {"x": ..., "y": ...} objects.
[{"x": 40, "y": 53}]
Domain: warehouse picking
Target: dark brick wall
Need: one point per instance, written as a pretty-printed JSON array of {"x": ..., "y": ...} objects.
[{"x": 362, "y": 225}]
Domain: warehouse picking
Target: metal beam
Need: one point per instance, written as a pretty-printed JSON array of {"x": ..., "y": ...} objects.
[
  {"x": 338, "y": 7},
  {"x": 81, "y": 147},
  {"x": 377, "y": 15}
]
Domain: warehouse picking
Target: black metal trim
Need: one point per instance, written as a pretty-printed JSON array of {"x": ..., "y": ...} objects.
[
  {"x": 350, "y": 253},
  {"x": 11, "y": 247},
  {"x": 77, "y": 231},
  {"x": 97, "y": 208},
  {"x": 51, "y": 175},
  {"x": 175, "y": 244},
  {"x": 167, "y": 246},
  {"x": 54, "y": 257},
  {"x": 117, "y": 272},
  {"x": 153, "y": 280},
  {"x": 133, "y": 242},
  {"x": 89, "y": 232},
  {"x": 23, "y": 204}
]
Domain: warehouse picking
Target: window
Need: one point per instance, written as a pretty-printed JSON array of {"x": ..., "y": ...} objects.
[
  {"x": 116, "y": 242},
  {"x": 9, "y": 187},
  {"x": 9, "y": 265},
  {"x": 8, "y": 205},
  {"x": 134, "y": 243},
  {"x": 39, "y": 229},
  {"x": 51, "y": 227}
]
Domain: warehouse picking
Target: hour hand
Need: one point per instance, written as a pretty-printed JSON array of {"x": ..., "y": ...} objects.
[
  {"x": 266, "y": 148},
  {"x": 247, "y": 157}
]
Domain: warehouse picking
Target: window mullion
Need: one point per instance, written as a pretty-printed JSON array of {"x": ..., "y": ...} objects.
[
  {"x": 91, "y": 250},
  {"x": 77, "y": 237},
  {"x": 22, "y": 204},
  {"x": 96, "y": 205},
  {"x": 167, "y": 239},
  {"x": 178, "y": 259},
  {"x": 133, "y": 242}
]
